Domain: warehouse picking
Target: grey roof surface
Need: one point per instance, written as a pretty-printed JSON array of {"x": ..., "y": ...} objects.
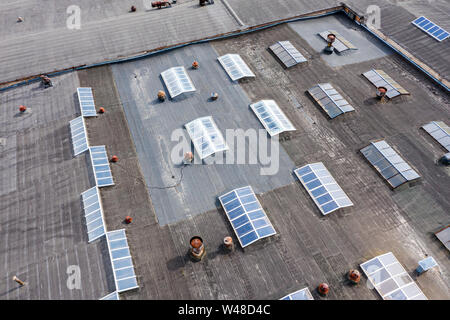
[
  {"x": 42, "y": 227},
  {"x": 152, "y": 124}
]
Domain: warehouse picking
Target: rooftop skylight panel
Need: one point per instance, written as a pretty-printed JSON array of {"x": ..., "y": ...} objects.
[
  {"x": 79, "y": 135},
  {"x": 177, "y": 81},
  {"x": 206, "y": 136},
  {"x": 340, "y": 44},
  {"x": 86, "y": 100},
  {"x": 271, "y": 117},
  {"x": 93, "y": 213},
  {"x": 439, "y": 131},
  {"x": 287, "y": 53},
  {"x": 380, "y": 79},
  {"x": 112, "y": 296},
  {"x": 330, "y": 100},
  {"x": 122, "y": 264},
  {"x": 390, "y": 279},
  {"x": 303, "y": 294},
  {"x": 235, "y": 66},
  {"x": 389, "y": 164},
  {"x": 100, "y": 165},
  {"x": 326, "y": 193},
  {"x": 247, "y": 217},
  {"x": 431, "y": 28}
]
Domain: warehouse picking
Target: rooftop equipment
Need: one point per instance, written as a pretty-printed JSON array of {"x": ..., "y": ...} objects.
[
  {"x": 86, "y": 100},
  {"x": 431, "y": 28},
  {"x": 177, "y": 81},
  {"x": 161, "y": 4},
  {"x": 330, "y": 100},
  {"x": 381, "y": 80},
  {"x": 93, "y": 213},
  {"x": 426, "y": 264},
  {"x": 79, "y": 135},
  {"x": 302, "y": 294},
  {"x": 235, "y": 66},
  {"x": 271, "y": 117},
  {"x": 100, "y": 165},
  {"x": 287, "y": 53},
  {"x": 439, "y": 131},
  {"x": 197, "y": 248},
  {"x": 336, "y": 41},
  {"x": 444, "y": 236}
]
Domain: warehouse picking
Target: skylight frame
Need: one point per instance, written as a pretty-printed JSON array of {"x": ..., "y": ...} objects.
[
  {"x": 100, "y": 165},
  {"x": 328, "y": 194},
  {"x": 78, "y": 132},
  {"x": 86, "y": 101},
  {"x": 93, "y": 214},
  {"x": 421, "y": 23},
  {"x": 302, "y": 294},
  {"x": 322, "y": 91},
  {"x": 288, "y": 55},
  {"x": 385, "y": 270},
  {"x": 246, "y": 215},
  {"x": 379, "y": 78},
  {"x": 177, "y": 81},
  {"x": 274, "y": 113},
  {"x": 204, "y": 132},
  {"x": 232, "y": 62},
  {"x": 440, "y": 132}
]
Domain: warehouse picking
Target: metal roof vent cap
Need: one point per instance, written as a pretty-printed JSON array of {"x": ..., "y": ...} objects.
[
  {"x": 197, "y": 248},
  {"x": 381, "y": 92}
]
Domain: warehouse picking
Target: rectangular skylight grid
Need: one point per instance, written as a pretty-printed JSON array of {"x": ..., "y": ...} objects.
[
  {"x": 177, "y": 81},
  {"x": 271, "y": 117},
  {"x": 93, "y": 213},
  {"x": 100, "y": 164},
  {"x": 330, "y": 100},
  {"x": 303, "y": 294},
  {"x": 79, "y": 135},
  {"x": 122, "y": 264},
  {"x": 235, "y": 66},
  {"x": 112, "y": 296},
  {"x": 440, "y": 132},
  {"x": 388, "y": 163},
  {"x": 287, "y": 53},
  {"x": 390, "y": 279},
  {"x": 86, "y": 100},
  {"x": 431, "y": 28},
  {"x": 380, "y": 79},
  {"x": 321, "y": 186},
  {"x": 340, "y": 43},
  {"x": 206, "y": 136},
  {"x": 247, "y": 217}
]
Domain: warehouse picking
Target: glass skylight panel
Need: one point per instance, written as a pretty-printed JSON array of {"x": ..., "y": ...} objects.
[
  {"x": 271, "y": 117},
  {"x": 100, "y": 164},
  {"x": 287, "y": 53},
  {"x": 206, "y": 136},
  {"x": 177, "y": 81},
  {"x": 235, "y": 66},
  {"x": 380, "y": 79},
  {"x": 247, "y": 217},
  {"x": 340, "y": 44},
  {"x": 86, "y": 100},
  {"x": 93, "y": 213},
  {"x": 390, "y": 279},
  {"x": 321, "y": 186},
  {"x": 439, "y": 131},
  {"x": 111, "y": 296},
  {"x": 388, "y": 163},
  {"x": 303, "y": 294},
  {"x": 431, "y": 28},
  {"x": 79, "y": 135},
  {"x": 330, "y": 100},
  {"x": 122, "y": 265}
]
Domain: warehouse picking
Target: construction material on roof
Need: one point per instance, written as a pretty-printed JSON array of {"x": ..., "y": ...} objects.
[
  {"x": 330, "y": 100},
  {"x": 444, "y": 236},
  {"x": 177, "y": 81},
  {"x": 235, "y": 66},
  {"x": 79, "y": 135},
  {"x": 93, "y": 213},
  {"x": 431, "y": 28},
  {"x": 86, "y": 100},
  {"x": 439, "y": 131},
  {"x": 206, "y": 136},
  {"x": 321, "y": 186},
  {"x": 247, "y": 217},
  {"x": 287, "y": 53},
  {"x": 100, "y": 165},
  {"x": 390, "y": 279},
  {"x": 271, "y": 117},
  {"x": 389, "y": 164},
  {"x": 303, "y": 294},
  {"x": 122, "y": 264},
  {"x": 340, "y": 44},
  {"x": 379, "y": 78}
]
